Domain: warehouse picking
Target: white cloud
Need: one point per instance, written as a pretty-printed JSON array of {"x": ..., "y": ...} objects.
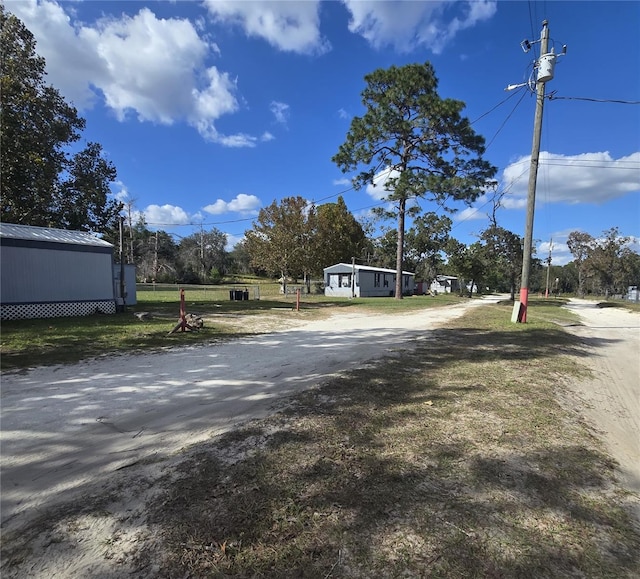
[
  {"x": 280, "y": 112},
  {"x": 70, "y": 59},
  {"x": 408, "y": 25},
  {"x": 379, "y": 189},
  {"x": 586, "y": 178},
  {"x": 122, "y": 194},
  {"x": 266, "y": 137},
  {"x": 233, "y": 240},
  {"x": 166, "y": 215},
  {"x": 342, "y": 182},
  {"x": 242, "y": 203},
  {"x": 634, "y": 243},
  {"x": 343, "y": 114},
  {"x": 470, "y": 214},
  {"x": 152, "y": 68},
  {"x": 287, "y": 26}
]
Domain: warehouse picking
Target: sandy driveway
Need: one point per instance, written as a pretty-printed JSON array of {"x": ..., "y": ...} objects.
[
  {"x": 69, "y": 431},
  {"x": 66, "y": 428},
  {"x": 611, "y": 399}
]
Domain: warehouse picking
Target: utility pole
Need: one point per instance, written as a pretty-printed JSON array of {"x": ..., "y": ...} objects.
[
  {"x": 130, "y": 259},
  {"x": 546, "y": 291},
  {"x": 545, "y": 65},
  {"x": 353, "y": 277},
  {"x": 202, "y": 252},
  {"x": 155, "y": 260},
  {"x": 121, "y": 307}
]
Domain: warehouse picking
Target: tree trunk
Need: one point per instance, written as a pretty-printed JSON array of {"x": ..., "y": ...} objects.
[
  {"x": 400, "y": 248},
  {"x": 580, "y": 282}
]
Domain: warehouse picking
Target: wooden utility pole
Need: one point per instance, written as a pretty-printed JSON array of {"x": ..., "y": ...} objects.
[
  {"x": 546, "y": 290},
  {"x": 155, "y": 259},
  {"x": 121, "y": 307},
  {"x": 202, "y": 252},
  {"x": 545, "y": 65},
  {"x": 533, "y": 177},
  {"x": 130, "y": 257}
]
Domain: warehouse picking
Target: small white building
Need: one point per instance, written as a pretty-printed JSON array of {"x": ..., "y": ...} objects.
[
  {"x": 47, "y": 273},
  {"x": 363, "y": 281},
  {"x": 445, "y": 284}
]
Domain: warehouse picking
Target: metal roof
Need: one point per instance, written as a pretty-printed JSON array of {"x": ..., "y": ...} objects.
[
  {"x": 49, "y": 234},
  {"x": 339, "y": 266}
]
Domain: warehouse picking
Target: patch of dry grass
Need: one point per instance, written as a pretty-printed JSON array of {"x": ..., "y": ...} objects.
[{"x": 452, "y": 460}]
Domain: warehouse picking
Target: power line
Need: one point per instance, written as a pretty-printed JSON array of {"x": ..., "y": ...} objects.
[
  {"x": 552, "y": 96},
  {"x": 504, "y": 190},
  {"x": 524, "y": 92},
  {"x": 511, "y": 95},
  {"x": 580, "y": 164}
]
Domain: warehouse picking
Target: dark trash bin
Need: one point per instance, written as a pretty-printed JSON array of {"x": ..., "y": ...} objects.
[
  {"x": 232, "y": 295},
  {"x": 245, "y": 295},
  {"x": 238, "y": 295}
]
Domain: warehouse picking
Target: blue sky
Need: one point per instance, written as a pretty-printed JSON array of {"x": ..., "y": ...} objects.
[{"x": 213, "y": 109}]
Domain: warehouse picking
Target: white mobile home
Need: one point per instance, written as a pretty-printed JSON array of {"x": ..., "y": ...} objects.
[
  {"x": 347, "y": 280},
  {"x": 445, "y": 284},
  {"x": 47, "y": 273}
]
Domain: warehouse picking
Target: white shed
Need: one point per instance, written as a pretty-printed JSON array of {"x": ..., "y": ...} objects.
[
  {"x": 47, "y": 273},
  {"x": 347, "y": 280}
]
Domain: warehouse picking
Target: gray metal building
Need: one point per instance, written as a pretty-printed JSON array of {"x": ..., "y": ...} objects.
[{"x": 46, "y": 273}]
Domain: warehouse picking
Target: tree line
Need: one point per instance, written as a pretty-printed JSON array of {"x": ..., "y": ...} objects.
[
  {"x": 414, "y": 145},
  {"x": 293, "y": 240}
]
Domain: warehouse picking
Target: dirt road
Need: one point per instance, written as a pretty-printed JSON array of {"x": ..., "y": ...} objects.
[
  {"x": 611, "y": 399},
  {"x": 67, "y": 428}
]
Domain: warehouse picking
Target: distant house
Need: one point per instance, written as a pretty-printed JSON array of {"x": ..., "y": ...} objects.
[
  {"x": 47, "y": 273},
  {"x": 347, "y": 280},
  {"x": 445, "y": 284}
]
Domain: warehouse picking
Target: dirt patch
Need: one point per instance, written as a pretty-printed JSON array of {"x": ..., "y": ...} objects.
[{"x": 610, "y": 398}]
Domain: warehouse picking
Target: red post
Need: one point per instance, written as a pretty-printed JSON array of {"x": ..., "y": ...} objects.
[
  {"x": 524, "y": 303},
  {"x": 298, "y": 300}
]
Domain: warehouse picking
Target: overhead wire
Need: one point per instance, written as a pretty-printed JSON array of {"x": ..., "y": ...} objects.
[
  {"x": 504, "y": 190},
  {"x": 494, "y": 107},
  {"x": 533, "y": 36},
  {"x": 524, "y": 92},
  {"x": 552, "y": 96}
]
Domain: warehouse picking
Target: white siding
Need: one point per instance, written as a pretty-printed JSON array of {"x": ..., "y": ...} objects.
[{"x": 369, "y": 281}]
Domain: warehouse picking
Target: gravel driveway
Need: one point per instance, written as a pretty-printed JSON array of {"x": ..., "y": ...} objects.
[{"x": 66, "y": 428}]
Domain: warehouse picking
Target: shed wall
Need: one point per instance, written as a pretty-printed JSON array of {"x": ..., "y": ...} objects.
[
  {"x": 37, "y": 275},
  {"x": 48, "y": 280}
]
